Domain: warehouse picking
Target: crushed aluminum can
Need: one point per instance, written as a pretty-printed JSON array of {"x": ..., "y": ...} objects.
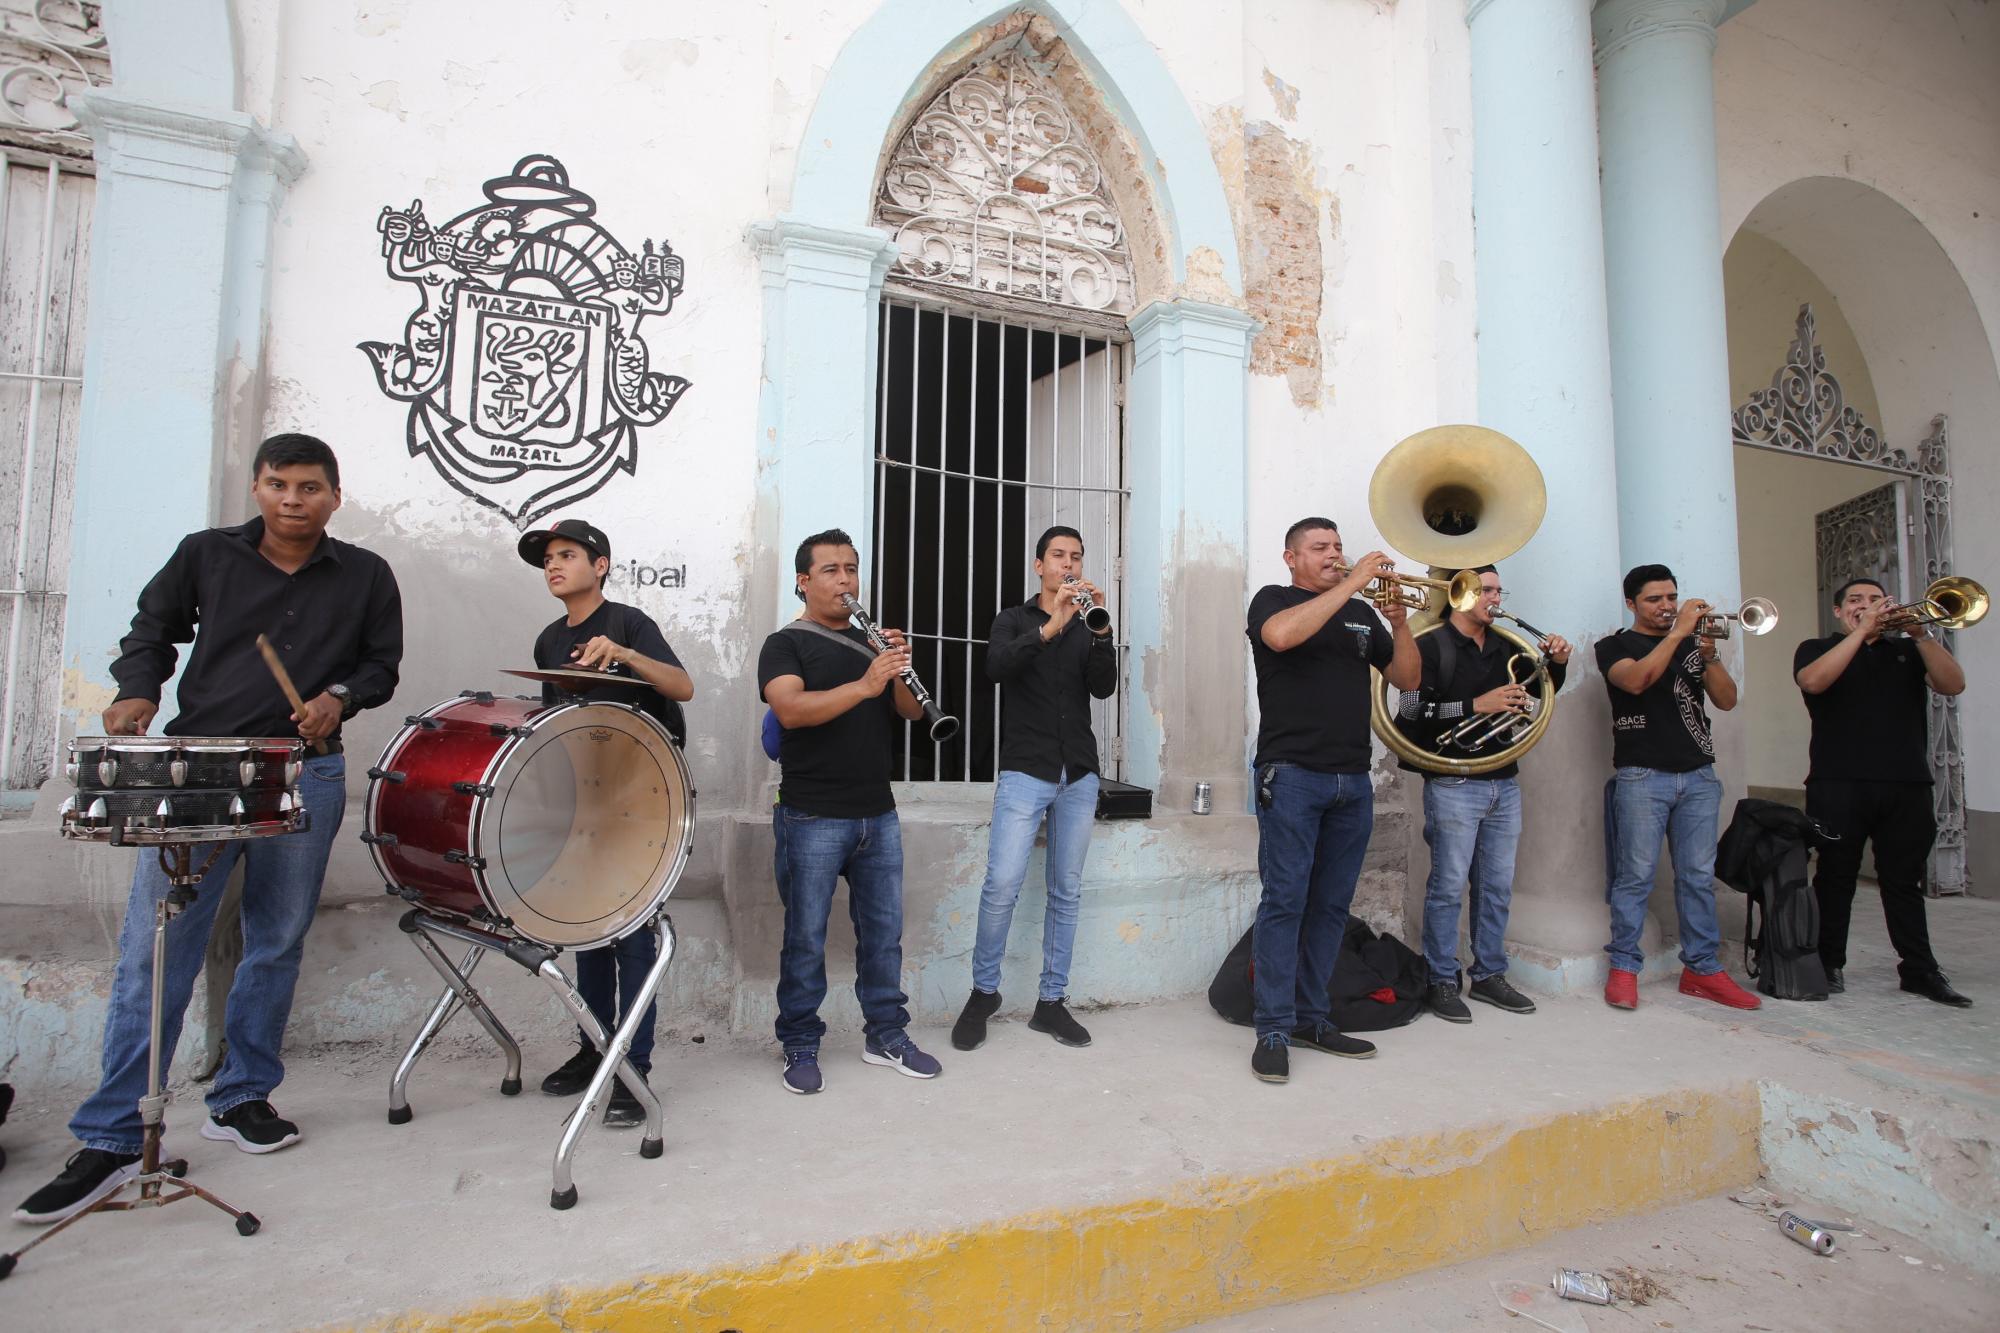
[
  {"x": 1204, "y": 798},
  {"x": 1574, "y": 1285},
  {"x": 1806, "y": 1233}
]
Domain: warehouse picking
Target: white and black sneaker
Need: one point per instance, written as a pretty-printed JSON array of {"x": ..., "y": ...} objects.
[
  {"x": 89, "y": 1175},
  {"x": 253, "y": 1126}
]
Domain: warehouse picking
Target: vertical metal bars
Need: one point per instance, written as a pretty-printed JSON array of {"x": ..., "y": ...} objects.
[
  {"x": 1017, "y": 426},
  {"x": 44, "y": 221}
]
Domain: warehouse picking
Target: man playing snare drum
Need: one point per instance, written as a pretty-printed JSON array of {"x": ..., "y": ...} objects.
[
  {"x": 596, "y": 634},
  {"x": 335, "y": 618}
]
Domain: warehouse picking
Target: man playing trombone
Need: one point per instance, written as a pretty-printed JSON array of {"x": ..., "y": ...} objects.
[
  {"x": 1661, "y": 674},
  {"x": 838, "y": 701},
  {"x": 1313, "y": 642},
  {"x": 1469, "y": 698},
  {"x": 1870, "y": 779}
]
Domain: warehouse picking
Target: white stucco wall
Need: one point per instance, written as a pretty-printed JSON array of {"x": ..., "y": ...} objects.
[
  {"x": 1779, "y": 495},
  {"x": 1901, "y": 103}
]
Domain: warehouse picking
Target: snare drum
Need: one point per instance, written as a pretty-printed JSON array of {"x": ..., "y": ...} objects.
[
  {"x": 567, "y": 825},
  {"x": 168, "y": 789}
]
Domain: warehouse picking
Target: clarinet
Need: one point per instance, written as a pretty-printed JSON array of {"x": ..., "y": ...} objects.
[{"x": 943, "y": 725}]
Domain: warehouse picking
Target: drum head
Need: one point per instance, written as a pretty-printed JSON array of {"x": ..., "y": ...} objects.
[{"x": 589, "y": 824}]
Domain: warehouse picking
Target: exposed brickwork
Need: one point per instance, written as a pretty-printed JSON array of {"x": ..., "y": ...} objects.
[{"x": 1284, "y": 273}]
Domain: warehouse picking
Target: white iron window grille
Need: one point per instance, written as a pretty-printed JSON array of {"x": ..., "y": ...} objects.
[
  {"x": 988, "y": 432},
  {"x": 49, "y": 51},
  {"x": 994, "y": 189}
]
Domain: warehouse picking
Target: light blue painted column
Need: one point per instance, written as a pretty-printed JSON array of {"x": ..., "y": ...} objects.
[
  {"x": 1663, "y": 260},
  {"x": 1545, "y": 380},
  {"x": 1187, "y": 413},
  {"x": 822, "y": 299},
  {"x": 179, "y": 247}
]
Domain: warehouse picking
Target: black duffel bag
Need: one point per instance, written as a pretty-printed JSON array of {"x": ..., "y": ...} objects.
[
  {"x": 1378, "y": 982},
  {"x": 1764, "y": 855}
]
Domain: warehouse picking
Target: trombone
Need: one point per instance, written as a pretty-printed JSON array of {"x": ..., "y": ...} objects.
[
  {"x": 1758, "y": 615},
  {"x": 1461, "y": 590},
  {"x": 1950, "y": 602},
  {"x": 1477, "y": 732}
]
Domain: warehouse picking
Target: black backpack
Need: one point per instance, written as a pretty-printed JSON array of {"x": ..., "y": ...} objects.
[
  {"x": 1764, "y": 855},
  {"x": 1368, "y": 964}
]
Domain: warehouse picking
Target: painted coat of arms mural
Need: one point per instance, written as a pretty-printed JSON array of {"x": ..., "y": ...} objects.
[{"x": 527, "y": 377}]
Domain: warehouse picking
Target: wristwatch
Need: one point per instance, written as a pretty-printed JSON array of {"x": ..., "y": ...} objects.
[{"x": 346, "y": 697}]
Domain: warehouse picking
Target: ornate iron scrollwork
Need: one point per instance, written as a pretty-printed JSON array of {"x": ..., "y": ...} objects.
[{"x": 50, "y": 50}]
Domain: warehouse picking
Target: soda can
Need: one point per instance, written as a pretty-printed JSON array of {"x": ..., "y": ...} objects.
[
  {"x": 1573, "y": 1285},
  {"x": 1805, "y": 1233},
  {"x": 1204, "y": 798}
]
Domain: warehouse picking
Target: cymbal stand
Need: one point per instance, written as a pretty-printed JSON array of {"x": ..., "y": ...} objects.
[{"x": 158, "y": 1183}]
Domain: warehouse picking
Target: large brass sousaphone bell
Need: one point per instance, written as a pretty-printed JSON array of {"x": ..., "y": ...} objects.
[{"x": 1456, "y": 497}]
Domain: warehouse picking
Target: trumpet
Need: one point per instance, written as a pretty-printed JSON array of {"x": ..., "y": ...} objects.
[
  {"x": 1096, "y": 618},
  {"x": 1461, "y": 590},
  {"x": 1477, "y": 732},
  {"x": 1758, "y": 615},
  {"x": 943, "y": 725},
  {"x": 1950, "y": 602}
]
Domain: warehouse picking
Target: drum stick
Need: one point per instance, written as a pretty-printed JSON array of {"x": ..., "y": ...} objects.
[{"x": 285, "y": 683}]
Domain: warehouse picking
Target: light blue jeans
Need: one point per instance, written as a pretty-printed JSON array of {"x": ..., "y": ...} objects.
[
  {"x": 281, "y": 884},
  {"x": 1020, "y": 803},
  {"x": 1473, "y": 826},
  {"x": 1642, "y": 806}
]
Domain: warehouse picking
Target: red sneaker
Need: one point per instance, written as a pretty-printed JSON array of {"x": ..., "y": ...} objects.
[
  {"x": 1718, "y": 987},
  {"x": 1622, "y": 990}
]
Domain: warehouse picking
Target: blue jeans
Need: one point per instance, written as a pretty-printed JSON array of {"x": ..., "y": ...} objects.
[
  {"x": 1310, "y": 841},
  {"x": 281, "y": 886},
  {"x": 1643, "y": 805},
  {"x": 813, "y": 853},
  {"x": 1019, "y": 803},
  {"x": 1473, "y": 826},
  {"x": 617, "y": 971}
]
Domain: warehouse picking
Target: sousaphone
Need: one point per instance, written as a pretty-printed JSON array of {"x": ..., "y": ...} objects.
[{"x": 1456, "y": 497}]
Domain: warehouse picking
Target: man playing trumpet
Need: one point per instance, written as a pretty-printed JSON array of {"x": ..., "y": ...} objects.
[
  {"x": 1661, "y": 674},
  {"x": 1870, "y": 779},
  {"x": 1313, "y": 642},
  {"x": 1471, "y": 824}
]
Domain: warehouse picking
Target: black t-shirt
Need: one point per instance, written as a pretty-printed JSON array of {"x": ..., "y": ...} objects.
[
  {"x": 1666, "y": 726},
  {"x": 628, "y": 627},
  {"x": 1872, "y": 724},
  {"x": 838, "y": 768},
  {"x": 1313, "y": 700}
]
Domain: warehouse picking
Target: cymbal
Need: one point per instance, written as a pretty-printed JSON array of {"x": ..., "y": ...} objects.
[{"x": 575, "y": 678}]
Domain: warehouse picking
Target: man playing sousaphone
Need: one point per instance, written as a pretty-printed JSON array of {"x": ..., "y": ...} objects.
[
  {"x": 594, "y": 634},
  {"x": 335, "y": 618},
  {"x": 1472, "y": 823}
]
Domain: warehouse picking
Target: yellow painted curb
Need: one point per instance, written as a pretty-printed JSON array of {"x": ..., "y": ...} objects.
[{"x": 1218, "y": 1246}]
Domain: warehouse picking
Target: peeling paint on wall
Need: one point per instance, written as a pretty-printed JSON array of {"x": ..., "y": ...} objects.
[
  {"x": 1284, "y": 272},
  {"x": 1282, "y": 93}
]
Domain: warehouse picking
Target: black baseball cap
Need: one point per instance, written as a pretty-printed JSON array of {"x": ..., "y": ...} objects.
[{"x": 591, "y": 539}]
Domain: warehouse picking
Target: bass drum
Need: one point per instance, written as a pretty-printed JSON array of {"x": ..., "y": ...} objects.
[{"x": 567, "y": 825}]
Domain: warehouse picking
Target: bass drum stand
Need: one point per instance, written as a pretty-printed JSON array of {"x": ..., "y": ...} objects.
[
  {"x": 158, "y": 1183},
  {"x": 425, "y": 929}
]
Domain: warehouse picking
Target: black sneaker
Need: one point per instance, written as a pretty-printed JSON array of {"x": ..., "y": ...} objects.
[
  {"x": 253, "y": 1127},
  {"x": 1441, "y": 998},
  {"x": 1053, "y": 1017},
  {"x": 89, "y": 1175},
  {"x": 625, "y": 1109},
  {"x": 969, "y": 1032},
  {"x": 1836, "y": 980},
  {"x": 1271, "y": 1061},
  {"x": 1500, "y": 993},
  {"x": 1326, "y": 1037},
  {"x": 574, "y": 1074}
]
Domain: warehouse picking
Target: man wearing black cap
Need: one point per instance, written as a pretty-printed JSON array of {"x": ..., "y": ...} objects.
[{"x": 596, "y": 634}]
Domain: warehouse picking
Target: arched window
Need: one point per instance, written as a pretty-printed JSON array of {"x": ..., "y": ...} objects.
[{"x": 1003, "y": 355}]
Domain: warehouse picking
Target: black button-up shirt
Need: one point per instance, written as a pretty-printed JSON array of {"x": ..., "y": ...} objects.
[
  {"x": 1045, "y": 692},
  {"x": 1436, "y": 705},
  {"x": 338, "y": 620}
]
